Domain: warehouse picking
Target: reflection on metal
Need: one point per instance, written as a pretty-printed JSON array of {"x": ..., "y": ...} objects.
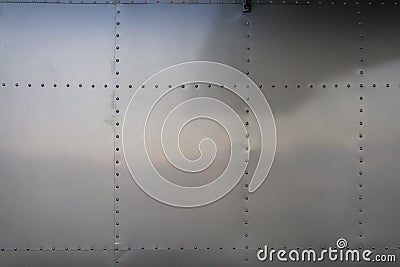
[
  {"x": 77, "y": 109},
  {"x": 145, "y": 99}
]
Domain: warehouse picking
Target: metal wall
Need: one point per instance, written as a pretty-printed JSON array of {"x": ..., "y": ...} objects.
[{"x": 74, "y": 88}]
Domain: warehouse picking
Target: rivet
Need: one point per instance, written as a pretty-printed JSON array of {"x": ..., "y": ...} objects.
[
  {"x": 53, "y": 248},
  {"x": 93, "y": 85},
  {"x": 15, "y": 249},
  {"x": 66, "y": 248},
  {"x": 117, "y": 199},
  {"x": 117, "y": 223},
  {"x": 117, "y": 211},
  {"x": 29, "y": 85},
  {"x": 79, "y": 248},
  {"x": 16, "y": 84},
  {"x": 80, "y": 85}
]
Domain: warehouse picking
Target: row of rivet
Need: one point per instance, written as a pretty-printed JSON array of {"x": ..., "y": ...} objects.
[
  {"x": 117, "y": 136},
  {"x": 336, "y": 85},
  {"x": 248, "y": 52},
  {"x": 195, "y": 247},
  {"x": 361, "y": 124},
  {"x": 283, "y": 2}
]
